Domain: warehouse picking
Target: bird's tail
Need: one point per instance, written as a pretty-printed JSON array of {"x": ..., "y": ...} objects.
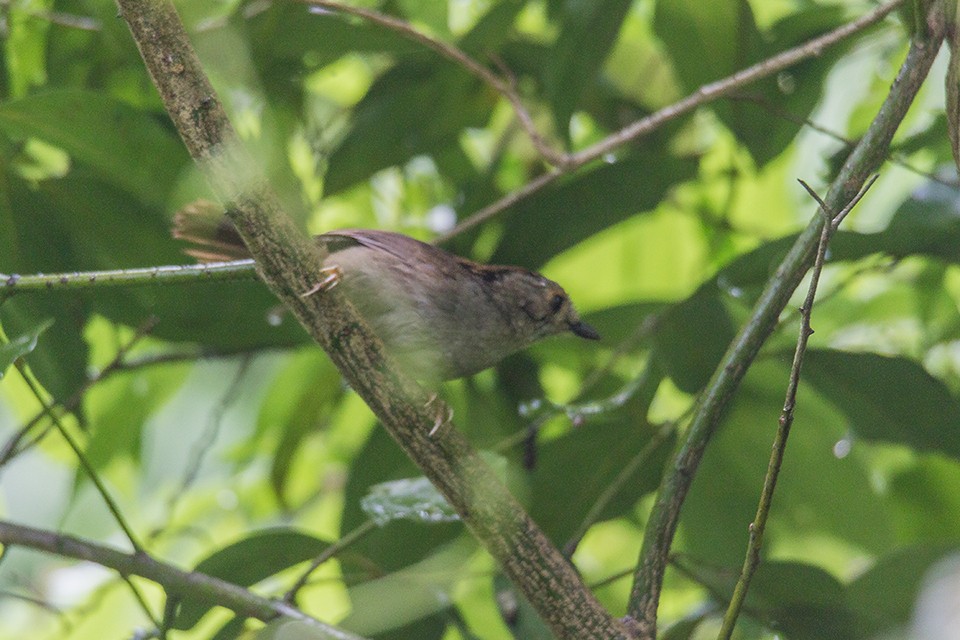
[{"x": 211, "y": 234}]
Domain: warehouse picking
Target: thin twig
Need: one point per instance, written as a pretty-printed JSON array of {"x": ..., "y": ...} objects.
[
  {"x": 703, "y": 95},
  {"x": 142, "y": 601},
  {"x": 174, "y": 580},
  {"x": 10, "y": 450},
  {"x": 209, "y": 436},
  {"x": 330, "y": 552},
  {"x": 787, "y": 115},
  {"x": 207, "y": 439},
  {"x": 11, "y": 284},
  {"x": 863, "y": 161},
  {"x": 758, "y": 526},
  {"x": 616, "y": 485},
  {"x": 504, "y": 87},
  {"x": 81, "y": 457}
]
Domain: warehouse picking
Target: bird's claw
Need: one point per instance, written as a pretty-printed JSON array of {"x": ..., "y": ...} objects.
[
  {"x": 331, "y": 278},
  {"x": 442, "y": 413}
]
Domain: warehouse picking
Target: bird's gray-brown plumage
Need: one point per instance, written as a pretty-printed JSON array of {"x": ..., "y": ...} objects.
[{"x": 439, "y": 315}]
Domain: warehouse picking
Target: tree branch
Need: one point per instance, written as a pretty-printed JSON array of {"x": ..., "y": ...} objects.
[
  {"x": 458, "y": 56},
  {"x": 703, "y": 95},
  {"x": 751, "y": 559},
  {"x": 290, "y": 264},
  {"x": 863, "y": 160},
  {"x": 174, "y": 581},
  {"x": 14, "y": 283}
]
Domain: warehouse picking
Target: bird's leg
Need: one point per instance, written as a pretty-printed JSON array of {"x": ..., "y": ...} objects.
[{"x": 331, "y": 278}]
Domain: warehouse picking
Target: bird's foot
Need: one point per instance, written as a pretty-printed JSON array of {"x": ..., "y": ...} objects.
[
  {"x": 331, "y": 278},
  {"x": 442, "y": 413}
]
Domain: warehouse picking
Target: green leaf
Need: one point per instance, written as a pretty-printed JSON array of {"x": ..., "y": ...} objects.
[
  {"x": 107, "y": 227},
  {"x": 493, "y": 30},
  {"x": 95, "y": 230},
  {"x": 758, "y": 121},
  {"x": 59, "y": 360},
  {"x": 20, "y": 346},
  {"x": 802, "y": 600},
  {"x": 230, "y": 630},
  {"x": 33, "y": 238},
  {"x": 890, "y": 399},
  {"x": 247, "y": 562},
  {"x": 412, "y": 109},
  {"x": 299, "y": 403},
  {"x": 420, "y": 106},
  {"x": 926, "y": 499},
  {"x": 407, "y": 499},
  {"x": 705, "y": 45},
  {"x": 562, "y": 215},
  {"x": 617, "y": 323},
  {"x": 709, "y": 45},
  {"x": 411, "y": 600},
  {"x": 716, "y": 512},
  {"x": 928, "y": 222},
  {"x": 691, "y": 338},
  {"x": 118, "y": 409},
  {"x": 682, "y": 629},
  {"x": 884, "y": 596},
  {"x": 588, "y": 30},
  {"x": 287, "y": 629},
  {"x": 403, "y": 542},
  {"x": 101, "y": 56},
  {"x": 560, "y": 500},
  {"x": 104, "y": 133},
  {"x": 518, "y": 614},
  {"x": 287, "y": 36}
]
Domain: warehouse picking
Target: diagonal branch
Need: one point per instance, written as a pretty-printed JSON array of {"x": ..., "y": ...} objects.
[
  {"x": 752, "y": 558},
  {"x": 714, "y": 400},
  {"x": 290, "y": 265},
  {"x": 460, "y": 57},
  {"x": 174, "y": 581},
  {"x": 703, "y": 95}
]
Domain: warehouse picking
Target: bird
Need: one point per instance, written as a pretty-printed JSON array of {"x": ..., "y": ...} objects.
[{"x": 439, "y": 315}]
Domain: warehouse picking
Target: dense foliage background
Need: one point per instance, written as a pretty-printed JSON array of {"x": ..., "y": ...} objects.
[{"x": 213, "y": 421}]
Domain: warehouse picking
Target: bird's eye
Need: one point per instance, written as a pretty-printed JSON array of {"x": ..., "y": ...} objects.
[{"x": 556, "y": 302}]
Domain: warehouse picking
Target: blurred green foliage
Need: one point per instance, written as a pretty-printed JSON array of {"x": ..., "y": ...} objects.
[{"x": 230, "y": 442}]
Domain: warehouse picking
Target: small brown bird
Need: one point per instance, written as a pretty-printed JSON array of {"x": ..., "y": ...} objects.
[{"x": 439, "y": 315}]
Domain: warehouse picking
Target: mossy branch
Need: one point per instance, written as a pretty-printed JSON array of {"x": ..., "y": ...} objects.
[
  {"x": 289, "y": 264},
  {"x": 241, "y": 601}
]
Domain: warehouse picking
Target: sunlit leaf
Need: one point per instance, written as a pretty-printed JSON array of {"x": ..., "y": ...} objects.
[
  {"x": 402, "y": 542},
  {"x": 576, "y": 208},
  {"x": 105, "y": 134},
  {"x": 247, "y": 562},
  {"x": 408, "y": 499}
]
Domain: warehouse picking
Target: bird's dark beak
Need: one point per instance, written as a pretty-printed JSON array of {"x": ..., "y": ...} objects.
[{"x": 584, "y": 330}]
